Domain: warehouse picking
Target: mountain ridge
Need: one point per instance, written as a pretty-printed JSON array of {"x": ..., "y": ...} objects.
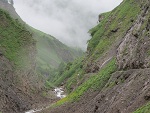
[
  {"x": 49, "y": 55},
  {"x": 22, "y": 85},
  {"x": 18, "y": 78},
  {"x": 114, "y": 75}
]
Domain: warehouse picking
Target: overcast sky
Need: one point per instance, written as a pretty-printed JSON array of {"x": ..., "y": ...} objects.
[{"x": 67, "y": 20}]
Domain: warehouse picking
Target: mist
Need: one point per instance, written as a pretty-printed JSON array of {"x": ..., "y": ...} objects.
[{"x": 67, "y": 20}]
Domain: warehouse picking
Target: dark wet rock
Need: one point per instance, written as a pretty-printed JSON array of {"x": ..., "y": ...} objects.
[
  {"x": 123, "y": 98},
  {"x": 128, "y": 88},
  {"x": 147, "y": 97},
  {"x": 115, "y": 30},
  {"x": 1, "y": 54},
  {"x": 132, "y": 52},
  {"x": 95, "y": 109},
  {"x": 100, "y": 18}
]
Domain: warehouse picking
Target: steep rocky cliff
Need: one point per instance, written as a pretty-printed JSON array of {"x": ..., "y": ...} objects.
[
  {"x": 26, "y": 54},
  {"x": 50, "y": 51},
  {"x": 8, "y": 6},
  {"x": 114, "y": 77},
  {"x": 18, "y": 80}
]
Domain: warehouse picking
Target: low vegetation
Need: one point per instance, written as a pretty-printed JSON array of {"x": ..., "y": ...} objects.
[
  {"x": 66, "y": 71},
  {"x": 112, "y": 27},
  {"x": 95, "y": 82},
  {"x": 13, "y": 38},
  {"x": 51, "y": 53},
  {"x": 144, "y": 109}
]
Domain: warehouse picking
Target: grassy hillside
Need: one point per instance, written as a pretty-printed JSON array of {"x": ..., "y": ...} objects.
[
  {"x": 18, "y": 46},
  {"x": 13, "y": 38},
  {"x": 129, "y": 21},
  {"x": 51, "y": 52},
  {"x": 27, "y": 51},
  {"x": 95, "y": 82},
  {"x": 143, "y": 109},
  {"x": 19, "y": 82},
  {"x": 104, "y": 35},
  {"x": 113, "y": 26},
  {"x": 67, "y": 71}
]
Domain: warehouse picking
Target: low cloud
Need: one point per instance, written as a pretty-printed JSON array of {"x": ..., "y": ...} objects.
[{"x": 67, "y": 20}]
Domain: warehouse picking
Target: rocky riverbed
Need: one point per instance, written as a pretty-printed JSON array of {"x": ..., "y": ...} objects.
[{"x": 58, "y": 92}]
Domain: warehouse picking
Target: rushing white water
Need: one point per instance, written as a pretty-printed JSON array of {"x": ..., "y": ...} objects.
[
  {"x": 58, "y": 92},
  {"x": 33, "y": 111}
]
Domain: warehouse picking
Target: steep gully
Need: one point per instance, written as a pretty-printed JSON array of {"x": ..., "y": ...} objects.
[{"x": 59, "y": 92}]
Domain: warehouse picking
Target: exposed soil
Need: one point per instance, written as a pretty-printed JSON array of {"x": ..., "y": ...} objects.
[
  {"x": 124, "y": 97},
  {"x": 128, "y": 89},
  {"x": 15, "y": 98}
]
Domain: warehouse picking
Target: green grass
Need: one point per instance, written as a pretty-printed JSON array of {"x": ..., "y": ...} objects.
[
  {"x": 95, "y": 82},
  {"x": 49, "y": 85},
  {"x": 73, "y": 81},
  {"x": 143, "y": 109},
  {"x": 102, "y": 35},
  {"x": 46, "y": 50},
  {"x": 68, "y": 72},
  {"x": 51, "y": 52},
  {"x": 103, "y": 38},
  {"x": 109, "y": 31},
  {"x": 97, "y": 32},
  {"x": 148, "y": 52},
  {"x": 14, "y": 40}
]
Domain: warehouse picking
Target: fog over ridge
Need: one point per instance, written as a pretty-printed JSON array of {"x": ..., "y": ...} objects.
[{"x": 67, "y": 20}]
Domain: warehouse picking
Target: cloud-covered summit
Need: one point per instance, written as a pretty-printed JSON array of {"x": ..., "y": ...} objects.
[{"x": 67, "y": 20}]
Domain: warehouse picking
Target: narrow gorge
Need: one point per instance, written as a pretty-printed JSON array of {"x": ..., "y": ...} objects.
[{"x": 40, "y": 74}]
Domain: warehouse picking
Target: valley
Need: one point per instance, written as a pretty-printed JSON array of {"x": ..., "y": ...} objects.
[{"x": 40, "y": 74}]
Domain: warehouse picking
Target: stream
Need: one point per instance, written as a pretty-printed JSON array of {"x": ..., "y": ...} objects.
[{"x": 59, "y": 92}]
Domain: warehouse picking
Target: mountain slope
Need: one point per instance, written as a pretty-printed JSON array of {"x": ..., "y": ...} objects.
[
  {"x": 114, "y": 76},
  {"x": 21, "y": 54},
  {"x": 50, "y": 51},
  {"x": 7, "y": 5},
  {"x": 18, "y": 77}
]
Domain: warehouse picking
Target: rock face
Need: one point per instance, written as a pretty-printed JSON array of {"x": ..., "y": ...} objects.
[
  {"x": 12, "y": 97},
  {"x": 128, "y": 88},
  {"x": 133, "y": 52},
  {"x": 19, "y": 84},
  {"x": 123, "y": 34},
  {"x": 8, "y": 6},
  {"x": 122, "y": 98}
]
